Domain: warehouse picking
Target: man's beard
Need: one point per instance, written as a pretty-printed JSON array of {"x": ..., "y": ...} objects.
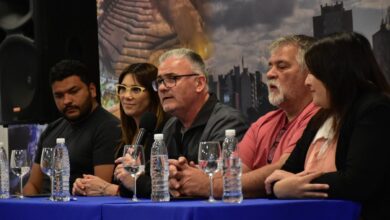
[
  {"x": 275, "y": 98},
  {"x": 84, "y": 110}
]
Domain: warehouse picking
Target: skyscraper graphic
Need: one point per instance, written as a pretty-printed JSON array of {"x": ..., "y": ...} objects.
[
  {"x": 381, "y": 45},
  {"x": 244, "y": 91},
  {"x": 333, "y": 18}
]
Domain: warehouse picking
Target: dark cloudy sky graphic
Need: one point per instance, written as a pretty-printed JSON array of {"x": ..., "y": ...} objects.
[{"x": 244, "y": 28}]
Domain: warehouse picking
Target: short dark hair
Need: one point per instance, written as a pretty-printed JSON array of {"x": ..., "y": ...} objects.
[{"x": 67, "y": 68}]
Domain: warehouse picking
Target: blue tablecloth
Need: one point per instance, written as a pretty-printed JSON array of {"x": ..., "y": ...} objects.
[
  {"x": 115, "y": 208},
  {"x": 263, "y": 209},
  {"x": 40, "y": 208}
]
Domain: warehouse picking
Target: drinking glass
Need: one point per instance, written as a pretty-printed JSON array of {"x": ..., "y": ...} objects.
[
  {"x": 47, "y": 159},
  {"x": 209, "y": 159},
  {"x": 19, "y": 166},
  {"x": 134, "y": 163}
]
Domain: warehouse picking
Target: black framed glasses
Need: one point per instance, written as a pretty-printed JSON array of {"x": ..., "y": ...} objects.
[
  {"x": 169, "y": 81},
  {"x": 123, "y": 89}
]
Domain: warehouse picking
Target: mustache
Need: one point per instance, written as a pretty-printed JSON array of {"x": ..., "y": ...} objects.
[
  {"x": 273, "y": 82},
  {"x": 70, "y": 107}
]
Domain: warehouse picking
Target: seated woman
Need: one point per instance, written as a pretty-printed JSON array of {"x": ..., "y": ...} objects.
[
  {"x": 136, "y": 97},
  {"x": 344, "y": 151}
]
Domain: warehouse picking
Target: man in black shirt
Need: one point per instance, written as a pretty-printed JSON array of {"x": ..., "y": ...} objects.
[
  {"x": 198, "y": 115},
  {"x": 91, "y": 133}
]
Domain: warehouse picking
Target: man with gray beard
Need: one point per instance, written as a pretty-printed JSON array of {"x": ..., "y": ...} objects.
[{"x": 270, "y": 140}]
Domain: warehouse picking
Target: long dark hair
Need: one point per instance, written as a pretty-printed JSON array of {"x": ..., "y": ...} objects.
[
  {"x": 346, "y": 65},
  {"x": 144, "y": 73}
]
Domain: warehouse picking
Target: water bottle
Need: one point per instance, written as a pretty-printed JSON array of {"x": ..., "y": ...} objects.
[
  {"x": 159, "y": 170},
  {"x": 232, "y": 190},
  {"x": 4, "y": 171},
  {"x": 61, "y": 171}
]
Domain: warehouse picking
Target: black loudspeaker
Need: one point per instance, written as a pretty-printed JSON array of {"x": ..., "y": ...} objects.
[{"x": 34, "y": 35}]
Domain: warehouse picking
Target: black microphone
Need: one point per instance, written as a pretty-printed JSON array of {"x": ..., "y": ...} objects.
[{"x": 147, "y": 124}]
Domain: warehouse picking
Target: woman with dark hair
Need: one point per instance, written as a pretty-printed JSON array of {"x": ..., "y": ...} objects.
[
  {"x": 344, "y": 151},
  {"x": 136, "y": 97}
]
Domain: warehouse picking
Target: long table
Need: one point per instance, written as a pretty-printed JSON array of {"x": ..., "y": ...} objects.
[
  {"x": 42, "y": 208},
  {"x": 115, "y": 208}
]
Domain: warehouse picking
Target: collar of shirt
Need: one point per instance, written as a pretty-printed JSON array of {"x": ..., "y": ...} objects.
[
  {"x": 205, "y": 112},
  {"x": 326, "y": 131}
]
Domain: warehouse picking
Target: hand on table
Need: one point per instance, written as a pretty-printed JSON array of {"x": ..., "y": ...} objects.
[
  {"x": 90, "y": 185},
  {"x": 300, "y": 186},
  {"x": 274, "y": 177},
  {"x": 186, "y": 179}
]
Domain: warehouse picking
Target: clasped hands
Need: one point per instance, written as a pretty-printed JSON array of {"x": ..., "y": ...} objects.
[
  {"x": 289, "y": 185},
  {"x": 186, "y": 179},
  {"x": 91, "y": 185}
]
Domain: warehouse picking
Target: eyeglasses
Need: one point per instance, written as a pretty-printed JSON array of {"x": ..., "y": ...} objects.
[
  {"x": 169, "y": 81},
  {"x": 123, "y": 89}
]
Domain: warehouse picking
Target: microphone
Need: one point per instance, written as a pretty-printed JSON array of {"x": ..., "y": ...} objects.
[{"x": 147, "y": 124}]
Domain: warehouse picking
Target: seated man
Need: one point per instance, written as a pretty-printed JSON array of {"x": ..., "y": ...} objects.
[
  {"x": 91, "y": 133},
  {"x": 270, "y": 140},
  {"x": 198, "y": 115}
]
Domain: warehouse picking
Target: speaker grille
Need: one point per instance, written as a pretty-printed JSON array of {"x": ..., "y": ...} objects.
[{"x": 18, "y": 71}]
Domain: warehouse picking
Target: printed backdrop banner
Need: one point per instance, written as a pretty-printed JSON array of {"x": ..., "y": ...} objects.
[{"x": 231, "y": 35}]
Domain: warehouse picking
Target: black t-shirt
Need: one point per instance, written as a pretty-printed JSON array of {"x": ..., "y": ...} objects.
[{"x": 90, "y": 142}]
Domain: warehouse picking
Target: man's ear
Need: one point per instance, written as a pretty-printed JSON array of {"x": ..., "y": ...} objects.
[
  {"x": 200, "y": 83},
  {"x": 92, "y": 89}
]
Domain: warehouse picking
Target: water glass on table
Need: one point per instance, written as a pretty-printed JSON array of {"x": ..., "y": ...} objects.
[
  {"x": 47, "y": 158},
  {"x": 134, "y": 163},
  {"x": 209, "y": 159},
  {"x": 19, "y": 164}
]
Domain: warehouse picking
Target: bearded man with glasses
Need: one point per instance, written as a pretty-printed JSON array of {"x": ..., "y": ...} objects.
[{"x": 198, "y": 115}]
